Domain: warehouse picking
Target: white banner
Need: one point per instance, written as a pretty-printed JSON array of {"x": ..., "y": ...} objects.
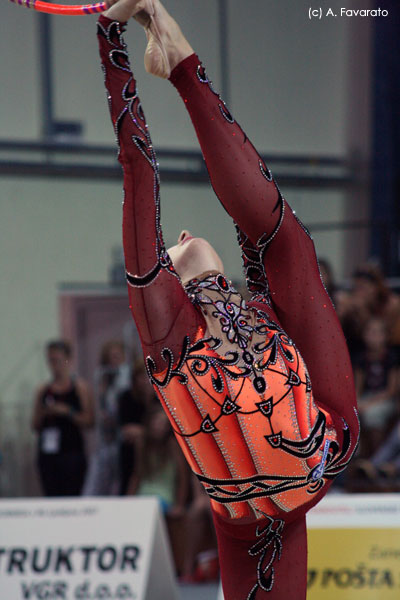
[
  {"x": 356, "y": 510},
  {"x": 84, "y": 549}
]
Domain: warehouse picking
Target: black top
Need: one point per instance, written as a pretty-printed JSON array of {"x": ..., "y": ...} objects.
[{"x": 60, "y": 434}]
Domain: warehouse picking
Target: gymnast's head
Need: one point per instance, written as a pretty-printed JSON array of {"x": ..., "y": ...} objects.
[{"x": 193, "y": 256}]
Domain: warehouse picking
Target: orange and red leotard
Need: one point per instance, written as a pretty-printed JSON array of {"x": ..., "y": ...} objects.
[{"x": 260, "y": 394}]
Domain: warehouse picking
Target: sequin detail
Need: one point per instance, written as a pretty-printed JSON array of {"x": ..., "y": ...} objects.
[
  {"x": 268, "y": 547},
  {"x": 261, "y": 352}
]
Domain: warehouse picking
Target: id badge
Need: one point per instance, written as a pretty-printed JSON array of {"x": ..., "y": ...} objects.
[{"x": 51, "y": 438}]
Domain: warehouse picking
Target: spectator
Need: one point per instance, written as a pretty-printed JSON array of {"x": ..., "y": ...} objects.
[
  {"x": 369, "y": 298},
  {"x": 386, "y": 460},
  {"x": 164, "y": 473},
  {"x": 63, "y": 408},
  {"x": 198, "y": 521},
  {"x": 376, "y": 377},
  {"x": 133, "y": 407},
  {"x": 112, "y": 376}
]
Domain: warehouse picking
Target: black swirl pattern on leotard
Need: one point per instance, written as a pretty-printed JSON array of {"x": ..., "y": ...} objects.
[
  {"x": 253, "y": 361},
  {"x": 268, "y": 547},
  {"x": 132, "y": 109}
]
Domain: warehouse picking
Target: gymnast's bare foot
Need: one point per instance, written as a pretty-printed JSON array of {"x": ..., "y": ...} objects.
[{"x": 167, "y": 46}]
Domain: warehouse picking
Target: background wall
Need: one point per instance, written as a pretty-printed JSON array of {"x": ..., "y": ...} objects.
[{"x": 297, "y": 86}]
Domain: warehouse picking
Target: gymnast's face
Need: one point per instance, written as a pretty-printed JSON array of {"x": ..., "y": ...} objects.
[{"x": 193, "y": 256}]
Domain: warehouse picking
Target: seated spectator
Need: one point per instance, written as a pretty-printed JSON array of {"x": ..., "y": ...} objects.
[
  {"x": 385, "y": 463},
  {"x": 199, "y": 521},
  {"x": 63, "y": 407},
  {"x": 112, "y": 376},
  {"x": 164, "y": 473},
  {"x": 133, "y": 406},
  {"x": 370, "y": 297},
  {"x": 376, "y": 377}
]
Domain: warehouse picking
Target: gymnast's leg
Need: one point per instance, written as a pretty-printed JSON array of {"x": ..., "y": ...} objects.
[{"x": 247, "y": 190}]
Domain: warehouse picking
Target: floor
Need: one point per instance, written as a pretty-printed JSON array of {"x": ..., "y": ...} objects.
[{"x": 206, "y": 591}]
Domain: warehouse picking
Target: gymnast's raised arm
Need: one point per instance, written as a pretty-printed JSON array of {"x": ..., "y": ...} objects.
[{"x": 160, "y": 306}]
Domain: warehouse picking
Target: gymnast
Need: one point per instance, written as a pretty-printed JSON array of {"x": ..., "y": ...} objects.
[{"x": 260, "y": 394}]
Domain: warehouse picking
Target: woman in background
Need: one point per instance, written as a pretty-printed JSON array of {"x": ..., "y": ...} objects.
[
  {"x": 63, "y": 408},
  {"x": 164, "y": 472},
  {"x": 112, "y": 376},
  {"x": 376, "y": 373},
  {"x": 134, "y": 405},
  {"x": 199, "y": 566}
]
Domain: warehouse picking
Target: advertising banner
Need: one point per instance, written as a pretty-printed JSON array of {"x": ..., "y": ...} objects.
[
  {"x": 84, "y": 549},
  {"x": 354, "y": 548}
]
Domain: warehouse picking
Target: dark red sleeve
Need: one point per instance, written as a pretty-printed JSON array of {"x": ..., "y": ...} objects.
[{"x": 162, "y": 311}]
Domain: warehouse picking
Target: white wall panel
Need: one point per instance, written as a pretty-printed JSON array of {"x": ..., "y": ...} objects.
[
  {"x": 289, "y": 76},
  {"x": 19, "y": 89},
  {"x": 79, "y": 89}
]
